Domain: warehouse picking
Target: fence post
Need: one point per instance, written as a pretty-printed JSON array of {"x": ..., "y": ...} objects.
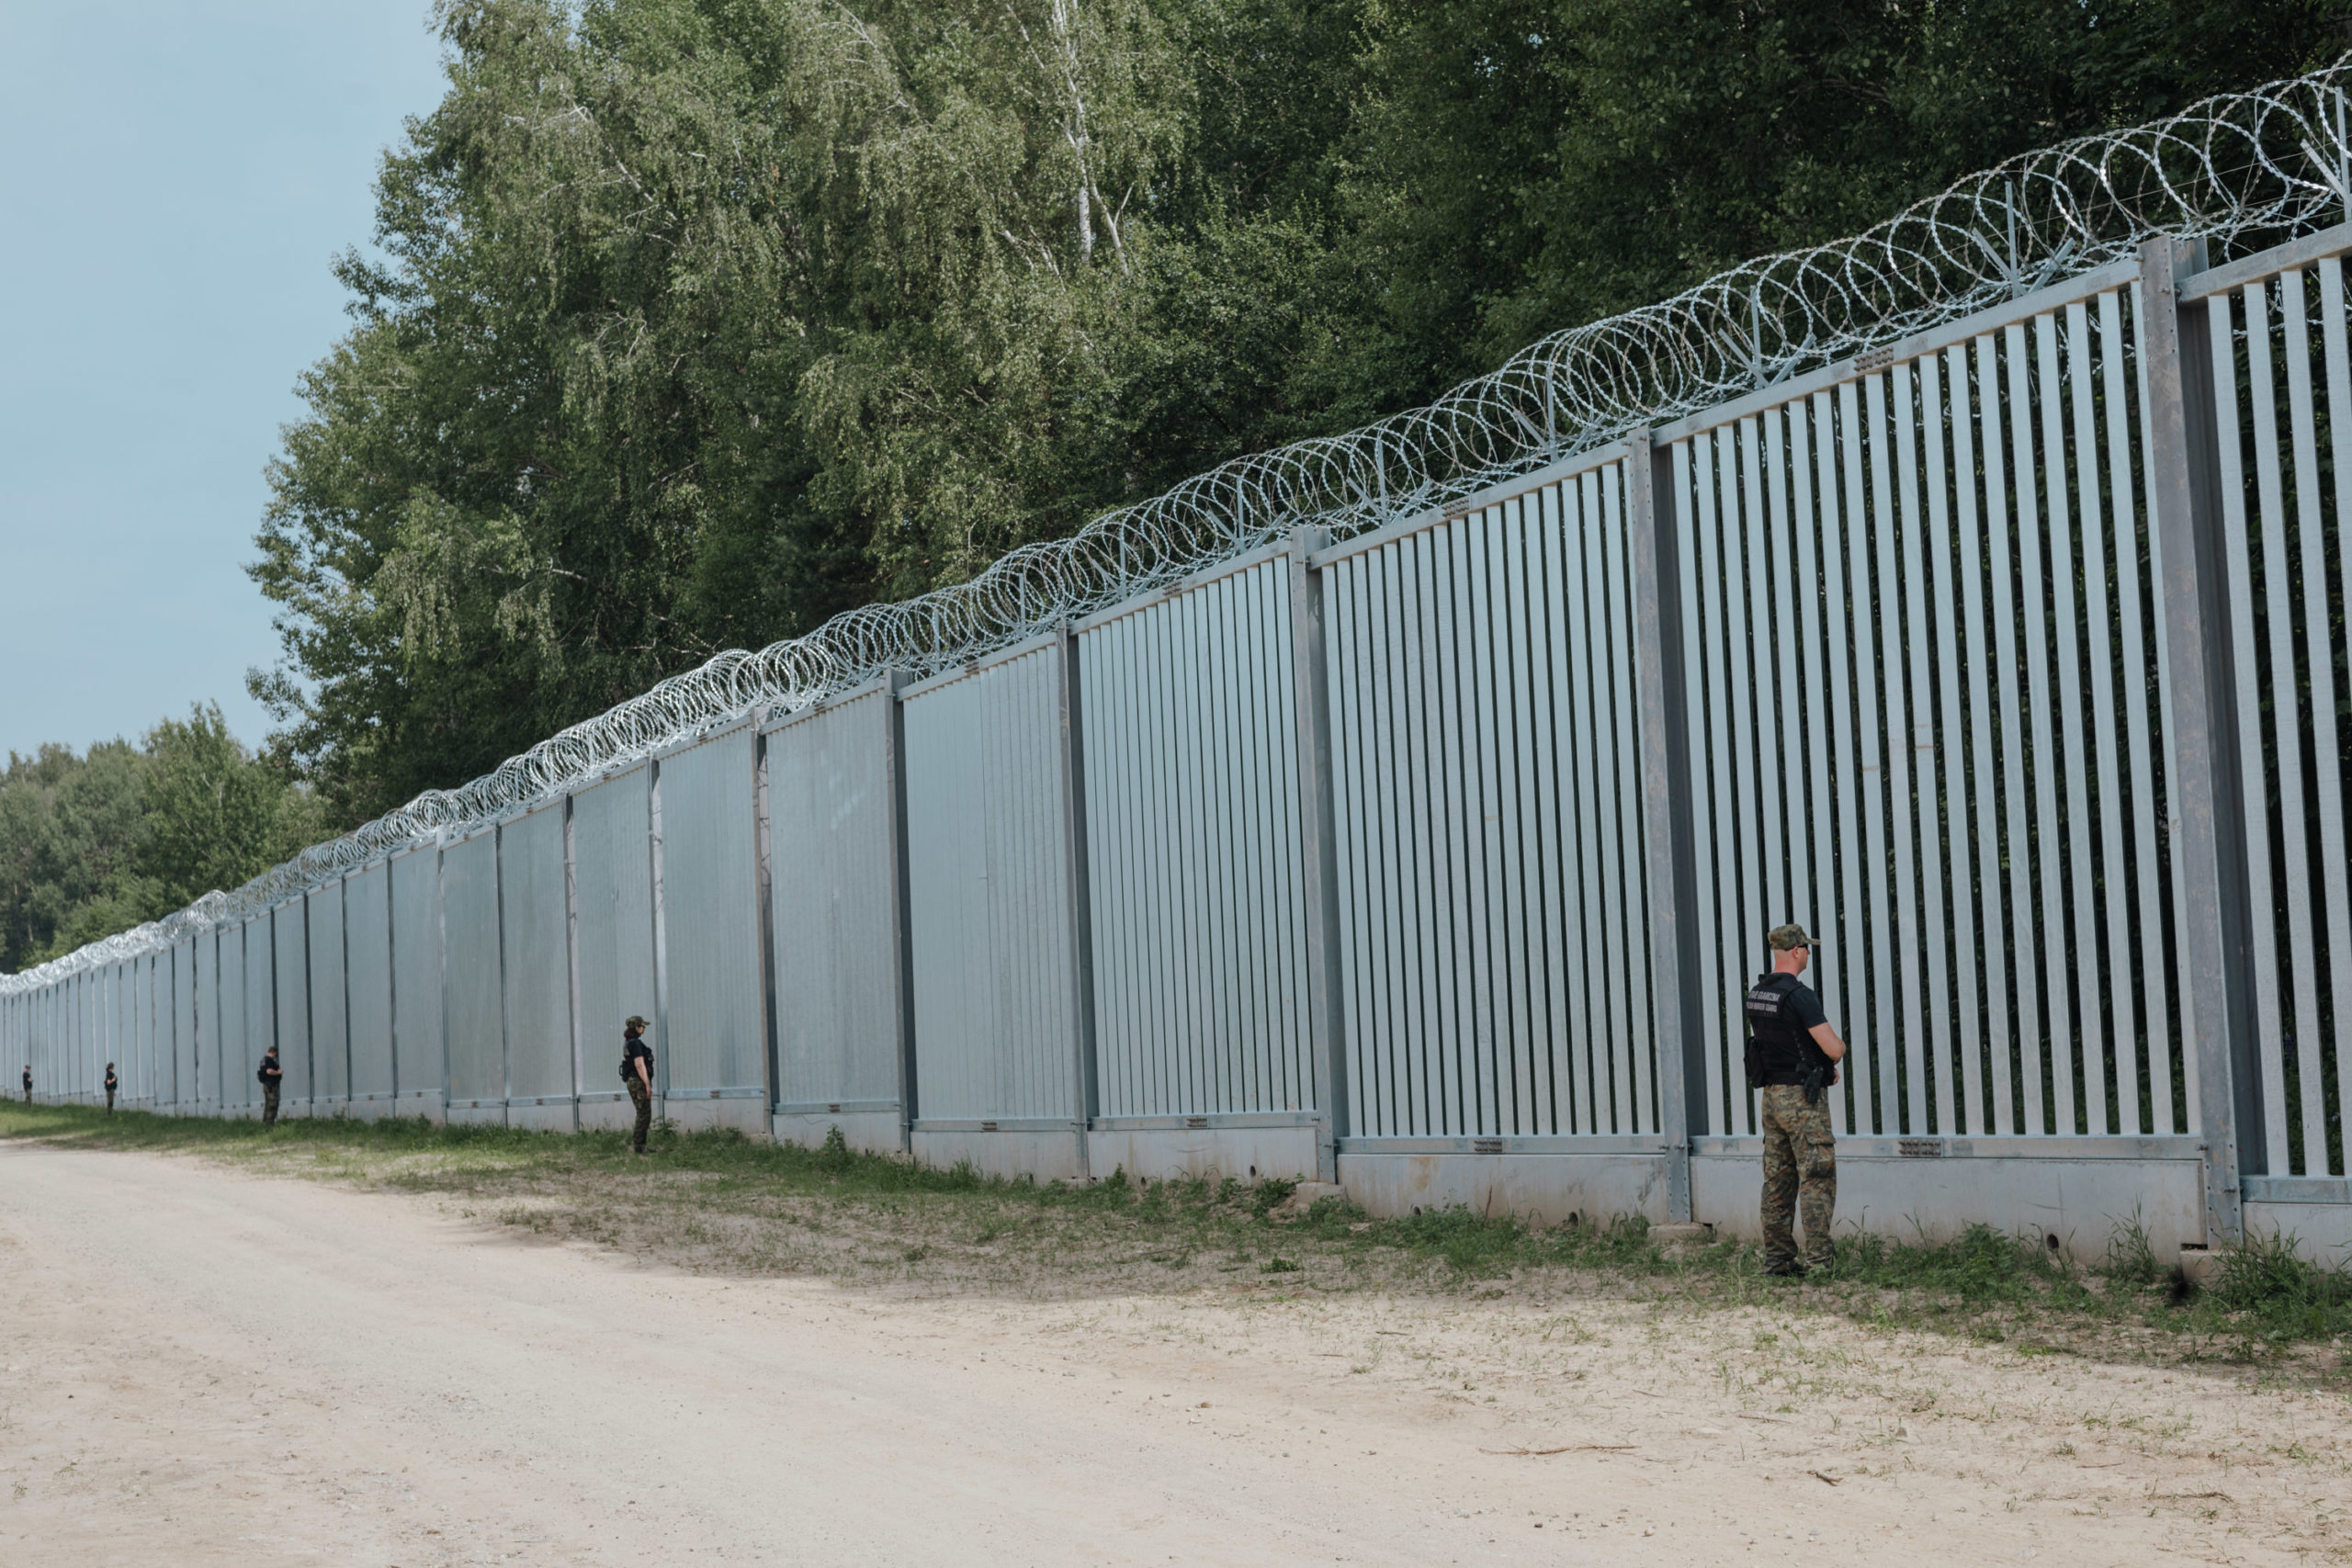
[
  {"x": 2183, "y": 499},
  {"x": 902, "y": 953},
  {"x": 1666, "y": 798},
  {"x": 1081, "y": 915},
  {"x": 1318, "y": 841}
]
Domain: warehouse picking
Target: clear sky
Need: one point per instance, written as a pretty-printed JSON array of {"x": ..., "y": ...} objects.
[{"x": 175, "y": 176}]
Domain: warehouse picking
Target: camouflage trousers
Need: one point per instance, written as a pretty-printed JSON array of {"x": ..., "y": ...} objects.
[
  {"x": 109, "y": 1103},
  {"x": 269, "y": 1106},
  {"x": 1800, "y": 1175},
  {"x": 643, "y": 1098}
]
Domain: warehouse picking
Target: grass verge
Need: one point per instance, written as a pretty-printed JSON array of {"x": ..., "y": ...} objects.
[{"x": 721, "y": 1203}]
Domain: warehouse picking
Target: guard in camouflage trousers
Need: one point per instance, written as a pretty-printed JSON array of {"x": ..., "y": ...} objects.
[
  {"x": 28, "y": 1083},
  {"x": 637, "y": 1071},
  {"x": 112, "y": 1082},
  {"x": 271, "y": 1075},
  {"x": 1793, "y": 1054}
]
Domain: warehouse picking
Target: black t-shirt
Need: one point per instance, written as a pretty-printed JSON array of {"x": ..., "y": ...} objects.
[
  {"x": 110, "y": 1080},
  {"x": 270, "y": 1071},
  {"x": 1800, "y": 1011},
  {"x": 28, "y": 1078},
  {"x": 633, "y": 1050}
]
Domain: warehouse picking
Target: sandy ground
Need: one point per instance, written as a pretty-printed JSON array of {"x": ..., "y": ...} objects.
[{"x": 198, "y": 1366}]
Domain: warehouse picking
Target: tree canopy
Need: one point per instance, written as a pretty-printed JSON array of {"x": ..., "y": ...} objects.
[
  {"x": 95, "y": 844},
  {"x": 691, "y": 322}
]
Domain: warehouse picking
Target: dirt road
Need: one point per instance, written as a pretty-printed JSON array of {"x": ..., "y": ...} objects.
[{"x": 202, "y": 1366}]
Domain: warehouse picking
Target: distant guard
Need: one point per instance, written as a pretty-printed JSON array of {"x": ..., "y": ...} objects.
[
  {"x": 111, "y": 1081},
  {"x": 1792, "y": 1056},
  {"x": 28, "y": 1083},
  {"x": 637, "y": 1071},
  {"x": 271, "y": 1076}
]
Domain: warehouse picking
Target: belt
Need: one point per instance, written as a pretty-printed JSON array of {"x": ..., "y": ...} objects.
[{"x": 1785, "y": 1081}]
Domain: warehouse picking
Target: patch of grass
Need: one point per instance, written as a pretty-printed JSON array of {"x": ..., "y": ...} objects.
[{"x": 721, "y": 1202}]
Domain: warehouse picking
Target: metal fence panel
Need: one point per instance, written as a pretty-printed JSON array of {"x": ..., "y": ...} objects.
[
  {"x": 611, "y": 829},
  {"x": 367, "y": 983},
  {"x": 1494, "y": 939},
  {"x": 187, "y": 1045},
  {"x": 833, "y": 907},
  {"x": 207, "y": 1023},
  {"x": 420, "y": 1063},
  {"x": 470, "y": 973},
  {"x": 1969, "y": 800},
  {"x": 713, "y": 1021},
  {"x": 537, "y": 946},
  {"x": 329, "y": 1004},
  {"x": 290, "y": 936},
  {"x": 2283, "y": 385},
  {"x": 231, "y": 1075},
  {"x": 261, "y": 999},
  {"x": 1193, "y": 848},
  {"x": 996, "y": 1024}
]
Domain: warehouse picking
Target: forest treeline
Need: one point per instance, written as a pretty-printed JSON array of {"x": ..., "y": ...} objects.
[
  {"x": 97, "y": 843},
  {"x": 688, "y": 323}
]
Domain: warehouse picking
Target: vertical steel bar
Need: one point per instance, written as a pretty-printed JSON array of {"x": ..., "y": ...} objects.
[
  {"x": 2017, "y": 958},
  {"x": 1743, "y": 870},
  {"x": 2332, "y": 777}
]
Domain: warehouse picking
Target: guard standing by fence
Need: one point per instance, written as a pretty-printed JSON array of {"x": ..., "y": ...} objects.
[
  {"x": 28, "y": 1083},
  {"x": 111, "y": 1081},
  {"x": 637, "y": 1071},
  {"x": 270, "y": 1075},
  {"x": 1792, "y": 1056}
]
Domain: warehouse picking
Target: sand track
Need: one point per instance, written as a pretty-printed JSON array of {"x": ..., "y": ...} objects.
[{"x": 198, "y": 1366}]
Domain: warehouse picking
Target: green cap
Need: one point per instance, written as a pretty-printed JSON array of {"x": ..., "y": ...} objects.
[
  {"x": 634, "y": 1022},
  {"x": 1787, "y": 939}
]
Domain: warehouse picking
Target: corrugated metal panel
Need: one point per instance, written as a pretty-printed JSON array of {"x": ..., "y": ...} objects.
[
  {"x": 611, "y": 829},
  {"x": 710, "y": 904},
  {"x": 261, "y": 1001},
  {"x": 178, "y": 991},
  {"x": 1493, "y": 940},
  {"x": 420, "y": 1063},
  {"x": 1193, "y": 835},
  {"x": 470, "y": 973},
  {"x": 832, "y": 907},
  {"x": 996, "y": 1024},
  {"x": 289, "y": 934},
  {"x": 330, "y": 1015},
  {"x": 367, "y": 981},
  {"x": 537, "y": 958}
]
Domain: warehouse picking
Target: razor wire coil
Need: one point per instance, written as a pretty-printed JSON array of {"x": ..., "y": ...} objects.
[{"x": 2258, "y": 166}]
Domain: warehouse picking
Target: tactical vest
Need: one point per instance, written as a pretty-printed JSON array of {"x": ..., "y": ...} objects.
[{"x": 1785, "y": 1047}]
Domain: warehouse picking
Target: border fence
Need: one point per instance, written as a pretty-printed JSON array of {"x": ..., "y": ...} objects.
[{"x": 1408, "y": 809}]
